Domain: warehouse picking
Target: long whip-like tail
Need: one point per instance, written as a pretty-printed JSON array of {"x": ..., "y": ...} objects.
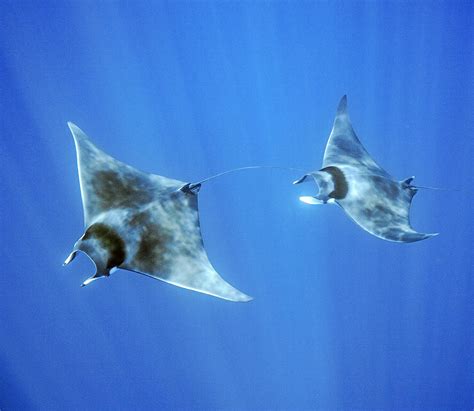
[
  {"x": 244, "y": 168},
  {"x": 436, "y": 188}
]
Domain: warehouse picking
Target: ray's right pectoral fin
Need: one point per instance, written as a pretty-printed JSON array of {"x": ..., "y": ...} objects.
[{"x": 107, "y": 183}]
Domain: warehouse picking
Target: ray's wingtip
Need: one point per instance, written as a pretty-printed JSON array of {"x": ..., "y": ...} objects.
[
  {"x": 245, "y": 299},
  {"x": 71, "y": 125},
  {"x": 76, "y": 132},
  {"x": 240, "y": 298},
  {"x": 426, "y": 236},
  {"x": 342, "y": 107}
]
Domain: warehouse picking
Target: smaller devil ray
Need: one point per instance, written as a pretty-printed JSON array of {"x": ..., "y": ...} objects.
[
  {"x": 142, "y": 222},
  {"x": 367, "y": 193}
]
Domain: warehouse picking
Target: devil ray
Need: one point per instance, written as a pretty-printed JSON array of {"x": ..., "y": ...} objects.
[
  {"x": 367, "y": 193},
  {"x": 142, "y": 222}
]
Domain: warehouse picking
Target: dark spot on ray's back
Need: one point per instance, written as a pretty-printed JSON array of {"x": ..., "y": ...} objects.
[
  {"x": 380, "y": 214},
  {"x": 140, "y": 219},
  {"x": 120, "y": 190},
  {"x": 110, "y": 240},
  {"x": 340, "y": 183},
  {"x": 381, "y": 209},
  {"x": 152, "y": 250},
  {"x": 388, "y": 187},
  {"x": 348, "y": 147},
  {"x": 367, "y": 212}
]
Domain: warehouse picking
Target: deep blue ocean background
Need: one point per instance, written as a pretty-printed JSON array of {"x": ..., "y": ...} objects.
[{"x": 341, "y": 319}]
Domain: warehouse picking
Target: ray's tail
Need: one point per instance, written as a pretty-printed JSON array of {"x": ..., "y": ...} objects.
[
  {"x": 435, "y": 188},
  {"x": 245, "y": 168}
]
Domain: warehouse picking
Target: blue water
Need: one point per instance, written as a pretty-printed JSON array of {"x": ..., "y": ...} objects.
[{"x": 341, "y": 319}]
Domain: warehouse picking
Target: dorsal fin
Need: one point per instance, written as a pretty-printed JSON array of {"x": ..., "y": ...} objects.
[{"x": 407, "y": 181}]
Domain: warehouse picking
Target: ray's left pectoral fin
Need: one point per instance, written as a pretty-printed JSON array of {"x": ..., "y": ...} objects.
[
  {"x": 195, "y": 276},
  {"x": 206, "y": 280},
  {"x": 170, "y": 248}
]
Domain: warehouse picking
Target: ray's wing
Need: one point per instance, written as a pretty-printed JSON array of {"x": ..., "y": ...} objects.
[
  {"x": 344, "y": 148},
  {"x": 107, "y": 183},
  {"x": 170, "y": 247},
  {"x": 381, "y": 206}
]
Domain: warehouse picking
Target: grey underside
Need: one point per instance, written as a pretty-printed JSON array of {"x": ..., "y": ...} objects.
[
  {"x": 158, "y": 222},
  {"x": 374, "y": 200}
]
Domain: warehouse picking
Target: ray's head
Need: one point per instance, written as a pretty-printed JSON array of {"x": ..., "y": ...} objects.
[
  {"x": 331, "y": 182},
  {"x": 104, "y": 246}
]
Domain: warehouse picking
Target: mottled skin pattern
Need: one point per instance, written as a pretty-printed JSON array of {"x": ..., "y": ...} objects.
[
  {"x": 143, "y": 223},
  {"x": 367, "y": 193}
]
